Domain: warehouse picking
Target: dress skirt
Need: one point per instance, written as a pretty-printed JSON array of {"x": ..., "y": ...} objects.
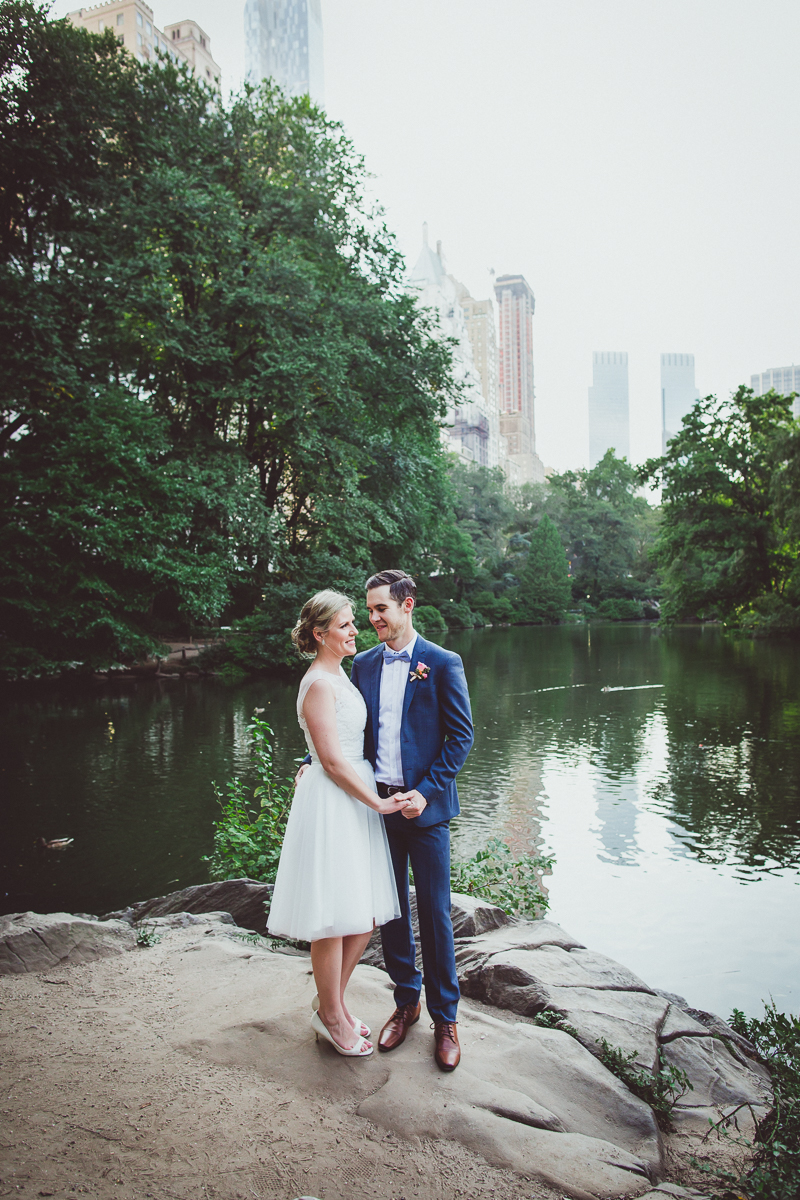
[{"x": 335, "y": 873}]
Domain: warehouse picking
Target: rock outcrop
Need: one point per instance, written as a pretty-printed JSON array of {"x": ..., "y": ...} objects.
[
  {"x": 39, "y": 942},
  {"x": 244, "y": 899},
  {"x": 532, "y": 1099},
  {"x": 532, "y": 967}
]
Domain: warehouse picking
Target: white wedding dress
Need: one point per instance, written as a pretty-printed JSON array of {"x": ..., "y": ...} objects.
[{"x": 335, "y": 873}]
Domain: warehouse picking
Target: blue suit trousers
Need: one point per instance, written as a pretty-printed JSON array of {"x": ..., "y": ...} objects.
[{"x": 427, "y": 848}]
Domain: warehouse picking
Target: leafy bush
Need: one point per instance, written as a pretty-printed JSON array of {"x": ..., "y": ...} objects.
[
  {"x": 429, "y": 621},
  {"x": 775, "y": 1173},
  {"x": 366, "y": 639},
  {"x": 513, "y": 884},
  {"x": 661, "y": 1090},
  {"x": 497, "y": 609},
  {"x": 458, "y": 614},
  {"x": 620, "y": 610},
  {"x": 146, "y": 936},
  {"x": 249, "y": 835},
  {"x": 769, "y": 615}
]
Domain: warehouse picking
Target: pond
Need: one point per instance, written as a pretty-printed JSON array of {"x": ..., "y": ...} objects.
[{"x": 661, "y": 769}]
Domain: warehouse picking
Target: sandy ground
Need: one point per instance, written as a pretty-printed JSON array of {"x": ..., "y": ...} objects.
[
  {"x": 170, "y": 1073},
  {"x": 105, "y": 1094}
]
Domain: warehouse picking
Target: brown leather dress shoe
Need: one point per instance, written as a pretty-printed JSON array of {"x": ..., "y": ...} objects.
[
  {"x": 394, "y": 1031},
  {"x": 448, "y": 1051}
]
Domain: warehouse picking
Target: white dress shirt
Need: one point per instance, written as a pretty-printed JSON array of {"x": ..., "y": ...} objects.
[{"x": 394, "y": 677}]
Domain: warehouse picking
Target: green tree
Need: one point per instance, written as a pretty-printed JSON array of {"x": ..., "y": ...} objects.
[
  {"x": 199, "y": 308},
  {"x": 729, "y": 538},
  {"x": 544, "y": 587},
  {"x": 606, "y": 527}
]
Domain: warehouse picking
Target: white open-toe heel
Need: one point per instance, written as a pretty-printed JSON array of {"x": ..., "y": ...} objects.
[
  {"x": 359, "y": 1026},
  {"x": 361, "y": 1049}
]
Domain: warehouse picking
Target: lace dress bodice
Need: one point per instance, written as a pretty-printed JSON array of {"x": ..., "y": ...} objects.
[{"x": 351, "y": 714}]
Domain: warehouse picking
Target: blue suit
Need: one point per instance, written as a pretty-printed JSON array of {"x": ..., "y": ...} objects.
[{"x": 435, "y": 738}]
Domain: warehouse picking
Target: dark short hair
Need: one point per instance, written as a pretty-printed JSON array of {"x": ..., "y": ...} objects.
[{"x": 400, "y": 584}]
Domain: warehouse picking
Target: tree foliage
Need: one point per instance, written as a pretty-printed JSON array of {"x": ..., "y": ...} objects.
[
  {"x": 599, "y": 533},
  {"x": 215, "y": 394},
  {"x": 543, "y": 578},
  {"x": 730, "y": 539}
]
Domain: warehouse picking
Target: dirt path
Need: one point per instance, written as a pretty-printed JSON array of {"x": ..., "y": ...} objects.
[{"x": 107, "y": 1092}]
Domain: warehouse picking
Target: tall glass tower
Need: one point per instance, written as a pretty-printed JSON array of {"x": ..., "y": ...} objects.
[
  {"x": 283, "y": 41},
  {"x": 515, "y": 304},
  {"x": 678, "y": 393},
  {"x": 609, "y": 422}
]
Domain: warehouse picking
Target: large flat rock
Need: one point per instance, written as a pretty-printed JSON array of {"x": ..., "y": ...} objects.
[
  {"x": 530, "y": 967},
  {"x": 526, "y": 1098},
  {"x": 717, "y": 1077},
  {"x": 629, "y": 1020},
  {"x": 32, "y": 941}
]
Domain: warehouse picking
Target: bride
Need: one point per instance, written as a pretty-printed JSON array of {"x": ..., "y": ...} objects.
[{"x": 335, "y": 881}]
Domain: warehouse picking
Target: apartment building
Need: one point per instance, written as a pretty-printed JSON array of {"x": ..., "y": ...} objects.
[{"x": 132, "y": 22}]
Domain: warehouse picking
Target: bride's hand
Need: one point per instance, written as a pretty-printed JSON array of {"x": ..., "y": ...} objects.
[
  {"x": 303, "y": 768},
  {"x": 391, "y": 805}
]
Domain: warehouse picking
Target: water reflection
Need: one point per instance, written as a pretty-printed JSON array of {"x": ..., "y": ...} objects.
[
  {"x": 715, "y": 748},
  {"x": 673, "y": 810}
]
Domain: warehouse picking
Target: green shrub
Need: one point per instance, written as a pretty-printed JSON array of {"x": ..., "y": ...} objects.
[
  {"x": 775, "y": 1172},
  {"x": 366, "y": 639},
  {"x": 429, "y": 621},
  {"x": 496, "y": 609},
  {"x": 457, "y": 614},
  {"x": 249, "y": 835},
  {"x": 617, "y": 609},
  {"x": 513, "y": 884},
  {"x": 769, "y": 615},
  {"x": 661, "y": 1090}
]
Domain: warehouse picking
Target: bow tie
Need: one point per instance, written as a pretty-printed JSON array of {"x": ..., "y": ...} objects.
[{"x": 389, "y": 656}]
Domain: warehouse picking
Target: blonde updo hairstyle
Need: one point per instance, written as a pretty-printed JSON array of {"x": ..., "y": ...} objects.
[{"x": 317, "y": 613}]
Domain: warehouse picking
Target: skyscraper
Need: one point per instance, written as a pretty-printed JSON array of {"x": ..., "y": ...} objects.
[
  {"x": 479, "y": 318},
  {"x": 515, "y": 302},
  {"x": 471, "y": 425},
  {"x": 784, "y": 380},
  {"x": 678, "y": 393},
  {"x": 283, "y": 41},
  {"x": 609, "y": 422}
]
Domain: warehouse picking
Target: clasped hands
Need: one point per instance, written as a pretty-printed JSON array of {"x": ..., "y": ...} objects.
[{"x": 410, "y": 804}]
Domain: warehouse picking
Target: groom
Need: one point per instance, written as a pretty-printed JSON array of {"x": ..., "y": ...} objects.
[{"x": 418, "y": 735}]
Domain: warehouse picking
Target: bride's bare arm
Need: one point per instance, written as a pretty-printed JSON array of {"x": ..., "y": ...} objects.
[{"x": 319, "y": 710}]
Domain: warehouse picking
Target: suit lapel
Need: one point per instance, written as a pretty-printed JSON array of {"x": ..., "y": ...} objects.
[{"x": 421, "y": 648}]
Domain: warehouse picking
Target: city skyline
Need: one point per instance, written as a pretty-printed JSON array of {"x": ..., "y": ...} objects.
[
  {"x": 784, "y": 380},
  {"x": 609, "y": 406},
  {"x": 284, "y": 41},
  {"x": 678, "y": 393},
  {"x": 471, "y": 428},
  {"x": 619, "y": 102},
  {"x": 516, "y": 394}
]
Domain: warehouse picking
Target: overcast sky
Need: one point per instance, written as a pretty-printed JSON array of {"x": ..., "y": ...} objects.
[{"x": 636, "y": 160}]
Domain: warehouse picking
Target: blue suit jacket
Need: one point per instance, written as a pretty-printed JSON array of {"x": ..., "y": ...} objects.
[{"x": 436, "y": 731}]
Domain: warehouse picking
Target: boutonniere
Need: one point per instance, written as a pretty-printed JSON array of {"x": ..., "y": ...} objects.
[{"x": 421, "y": 671}]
